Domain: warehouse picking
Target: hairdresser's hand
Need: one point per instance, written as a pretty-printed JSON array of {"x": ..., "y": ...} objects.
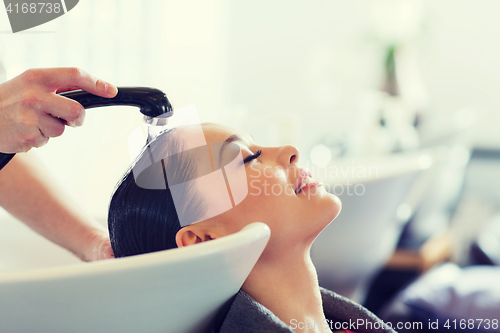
[
  {"x": 31, "y": 111},
  {"x": 99, "y": 248}
]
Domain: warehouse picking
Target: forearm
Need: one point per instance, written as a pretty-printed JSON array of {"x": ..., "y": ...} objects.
[{"x": 28, "y": 192}]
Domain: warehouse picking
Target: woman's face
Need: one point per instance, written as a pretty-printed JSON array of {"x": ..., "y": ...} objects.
[{"x": 281, "y": 193}]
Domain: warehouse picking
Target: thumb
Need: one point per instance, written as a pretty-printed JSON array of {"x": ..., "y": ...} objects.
[{"x": 64, "y": 79}]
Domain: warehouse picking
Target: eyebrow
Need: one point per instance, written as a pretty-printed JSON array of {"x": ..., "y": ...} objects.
[
  {"x": 233, "y": 138},
  {"x": 236, "y": 137}
]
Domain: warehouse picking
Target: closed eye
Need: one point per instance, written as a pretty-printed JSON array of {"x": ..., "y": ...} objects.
[{"x": 253, "y": 156}]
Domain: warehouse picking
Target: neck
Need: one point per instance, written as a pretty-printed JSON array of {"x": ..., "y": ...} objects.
[{"x": 288, "y": 286}]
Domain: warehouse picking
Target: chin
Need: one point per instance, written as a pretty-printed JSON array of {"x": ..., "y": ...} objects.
[{"x": 334, "y": 207}]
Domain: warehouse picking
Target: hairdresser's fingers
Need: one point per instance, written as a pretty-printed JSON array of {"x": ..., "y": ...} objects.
[
  {"x": 60, "y": 79},
  {"x": 32, "y": 138},
  {"x": 60, "y": 90},
  {"x": 51, "y": 127},
  {"x": 27, "y": 97},
  {"x": 41, "y": 141},
  {"x": 103, "y": 251},
  {"x": 98, "y": 247},
  {"x": 72, "y": 112},
  {"x": 106, "y": 251}
]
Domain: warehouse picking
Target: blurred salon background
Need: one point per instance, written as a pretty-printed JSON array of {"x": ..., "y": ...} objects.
[{"x": 408, "y": 86}]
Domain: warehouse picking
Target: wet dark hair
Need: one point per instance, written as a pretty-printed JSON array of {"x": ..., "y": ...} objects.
[{"x": 142, "y": 220}]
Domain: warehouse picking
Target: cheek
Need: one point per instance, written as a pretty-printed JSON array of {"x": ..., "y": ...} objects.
[
  {"x": 268, "y": 182},
  {"x": 249, "y": 210},
  {"x": 266, "y": 198}
]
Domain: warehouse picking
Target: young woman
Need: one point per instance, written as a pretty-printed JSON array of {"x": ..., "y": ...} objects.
[{"x": 281, "y": 294}]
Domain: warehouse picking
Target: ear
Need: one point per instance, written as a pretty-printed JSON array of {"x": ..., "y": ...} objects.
[{"x": 193, "y": 234}]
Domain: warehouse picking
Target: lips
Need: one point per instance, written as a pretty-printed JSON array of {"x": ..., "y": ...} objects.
[{"x": 305, "y": 180}]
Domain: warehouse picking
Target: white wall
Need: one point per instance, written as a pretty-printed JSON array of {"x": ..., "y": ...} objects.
[
  {"x": 312, "y": 59},
  {"x": 460, "y": 62}
]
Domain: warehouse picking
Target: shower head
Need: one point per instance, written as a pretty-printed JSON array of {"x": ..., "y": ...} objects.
[{"x": 152, "y": 103}]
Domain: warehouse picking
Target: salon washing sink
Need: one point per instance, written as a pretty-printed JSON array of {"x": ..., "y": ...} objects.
[{"x": 178, "y": 290}]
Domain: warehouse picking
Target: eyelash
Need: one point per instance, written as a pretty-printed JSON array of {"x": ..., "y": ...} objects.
[{"x": 252, "y": 157}]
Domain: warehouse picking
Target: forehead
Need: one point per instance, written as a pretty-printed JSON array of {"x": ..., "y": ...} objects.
[
  {"x": 219, "y": 133},
  {"x": 207, "y": 138}
]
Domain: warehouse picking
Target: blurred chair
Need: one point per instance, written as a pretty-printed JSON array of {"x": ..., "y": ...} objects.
[
  {"x": 453, "y": 149},
  {"x": 178, "y": 290},
  {"x": 448, "y": 298},
  {"x": 357, "y": 244},
  {"x": 486, "y": 248}
]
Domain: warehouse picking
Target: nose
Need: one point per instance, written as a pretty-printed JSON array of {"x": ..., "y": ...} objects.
[{"x": 288, "y": 155}]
